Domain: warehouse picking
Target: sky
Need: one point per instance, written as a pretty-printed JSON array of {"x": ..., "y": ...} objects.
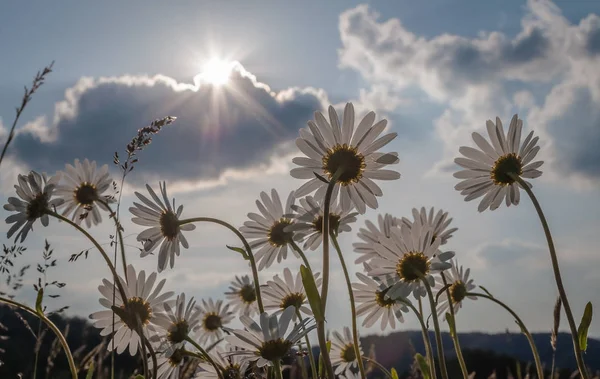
[{"x": 435, "y": 70}]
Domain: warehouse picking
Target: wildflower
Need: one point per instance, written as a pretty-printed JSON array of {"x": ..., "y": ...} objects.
[
  {"x": 141, "y": 309},
  {"x": 268, "y": 342},
  {"x": 309, "y": 220},
  {"x": 35, "y": 192},
  {"x": 488, "y": 170},
  {"x": 371, "y": 236},
  {"x": 342, "y": 352},
  {"x": 460, "y": 285},
  {"x": 169, "y": 366},
  {"x": 214, "y": 316},
  {"x": 283, "y": 293},
  {"x": 231, "y": 365},
  {"x": 329, "y": 146},
  {"x": 269, "y": 232},
  {"x": 439, "y": 223},
  {"x": 83, "y": 191},
  {"x": 372, "y": 301},
  {"x": 179, "y": 322},
  {"x": 242, "y": 296},
  {"x": 163, "y": 221},
  {"x": 409, "y": 255}
]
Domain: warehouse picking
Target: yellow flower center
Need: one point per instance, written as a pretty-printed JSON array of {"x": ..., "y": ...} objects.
[
  {"x": 135, "y": 308},
  {"x": 458, "y": 291},
  {"x": 334, "y": 223},
  {"x": 381, "y": 300},
  {"x": 212, "y": 322},
  {"x": 509, "y": 163},
  {"x": 274, "y": 349},
  {"x": 247, "y": 294},
  {"x": 295, "y": 299},
  {"x": 169, "y": 225},
  {"x": 349, "y": 159},
  {"x": 277, "y": 236},
  {"x": 85, "y": 194},
  {"x": 412, "y": 265},
  {"x": 178, "y": 331},
  {"x": 348, "y": 354}
]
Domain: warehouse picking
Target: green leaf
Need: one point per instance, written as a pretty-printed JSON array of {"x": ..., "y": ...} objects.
[
  {"x": 423, "y": 366},
  {"x": 321, "y": 361},
  {"x": 238, "y": 250},
  {"x": 90, "y": 372},
  {"x": 38, "y": 301},
  {"x": 451, "y": 324},
  {"x": 312, "y": 293},
  {"x": 394, "y": 373},
  {"x": 139, "y": 376},
  {"x": 486, "y": 291},
  {"x": 582, "y": 332}
]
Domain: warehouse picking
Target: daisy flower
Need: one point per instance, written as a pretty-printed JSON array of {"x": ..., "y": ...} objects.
[
  {"x": 283, "y": 293},
  {"x": 268, "y": 231},
  {"x": 214, "y": 316},
  {"x": 329, "y": 146},
  {"x": 179, "y": 322},
  {"x": 268, "y": 342},
  {"x": 231, "y": 365},
  {"x": 83, "y": 191},
  {"x": 487, "y": 169},
  {"x": 141, "y": 303},
  {"x": 371, "y": 236},
  {"x": 169, "y": 366},
  {"x": 164, "y": 228},
  {"x": 242, "y": 296},
  {"x": 309, "y": 220},
  {"x": 34, "y": 191},
  {"x": 460, "y": 285},
  {"x": 342, "y": 352},
  {"x": 372, "y": 302},
  {"x": 438, "y": 222},
  {"x": 410, "y": 253}
]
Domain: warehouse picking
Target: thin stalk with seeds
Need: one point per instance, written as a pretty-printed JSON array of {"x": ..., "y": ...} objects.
[
  {"x": 246, "y": 247},
  {"x": 436, "y": 327},
  {"x": 361, "y": 367},
  {"x": 536, "y": 356},
  {"x": 459, "y": 355},
  {"x": 53, "y": 327},
  {"x": 311, "y": 357},
  {"x": 557, "y": 276}
]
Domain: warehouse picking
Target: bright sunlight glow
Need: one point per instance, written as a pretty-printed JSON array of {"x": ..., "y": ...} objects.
[{"x": 216, "y": 71}]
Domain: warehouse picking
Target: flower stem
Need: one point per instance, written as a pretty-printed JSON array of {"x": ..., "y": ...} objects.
[
  {"x": 206, "y": 356},
  {"x": 536, "y": 356},
  {"x": 277, "y": 369},
  {"x": 325, "y": 286},
  {"x": 361, "y": 367},
  {"x": 436, "y": 326},
  {"x": 301, "y": 362},
  {"x": 54, "y": 328},
  {"x": 454, "y": 335},
  {"x": 379, "y": 366},
  {"x": 246, "y": 247},
  {"x": 301, "y": 253},
  {"x": 97, "y": 245},
  {"x": 311, "y": 357},
  {"x": 557, "y": 276},
  {"x": 425, "y": 333}
]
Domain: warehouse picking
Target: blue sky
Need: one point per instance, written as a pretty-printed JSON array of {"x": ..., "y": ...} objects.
[{"x": 436, "y": 71}]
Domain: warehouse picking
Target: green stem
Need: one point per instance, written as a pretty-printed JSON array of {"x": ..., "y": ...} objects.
[
  {"x": 301, "y": 253},
  {"x": 311, "y": 357},
  {"x": 454, "y": 335},
  {"x": 119, "y": 233},
  {"x": 50, "y": 324},
  {"x": 361, "y": 367},
  {"x": 436, "y": 326},
  {"x": 536, "y": 356},
  {"x": 206, "y": 356},
  {"x": 301, "y": 361},
  {"x": 325, "y": 286},
  {"x": 277, "y": 369},
  {"x": 379, "y": 366},
  {"x": 425, "y": 333},
  {"x": 97, "y": 245},
  {"x": 37, "y": 353},
  {"x": 246, "y": 246},
  {"x": 557, "y": 276}
]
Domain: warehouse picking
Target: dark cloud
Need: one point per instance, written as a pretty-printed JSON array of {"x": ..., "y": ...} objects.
[
  {"x": 576, "y": 135},
  {"x": 236, "y": 126}
]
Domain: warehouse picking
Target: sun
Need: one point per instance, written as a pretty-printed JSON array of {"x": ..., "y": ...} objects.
[{"x": 216, "y": 71}]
